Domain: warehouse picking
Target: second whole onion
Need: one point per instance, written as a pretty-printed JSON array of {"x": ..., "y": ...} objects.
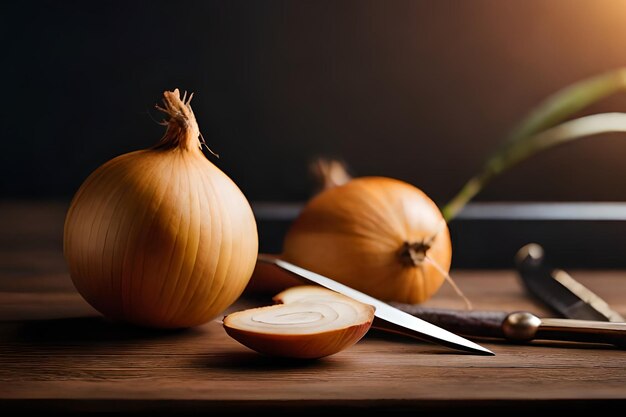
[{"x": 379, "y": 235}]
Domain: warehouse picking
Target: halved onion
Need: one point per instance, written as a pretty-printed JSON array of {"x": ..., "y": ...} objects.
[{"x": 306, "y": 327}]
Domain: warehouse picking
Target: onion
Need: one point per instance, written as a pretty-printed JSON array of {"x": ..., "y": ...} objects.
[
  {"x": 161, "y": 237},
  {"x": 378, "y": 235},
  {"x": 312, "y": 323}
]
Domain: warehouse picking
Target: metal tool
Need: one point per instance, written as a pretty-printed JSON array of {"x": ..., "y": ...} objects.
[
  {"x": 394, "y": 319},
  {"x": 558, "y": 290},
  {"x": 520, "y": 326}
]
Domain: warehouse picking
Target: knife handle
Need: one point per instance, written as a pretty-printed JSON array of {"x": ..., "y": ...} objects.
[
  {"x": 519, "y": 326},
  {"x": 466, "y": 322}
]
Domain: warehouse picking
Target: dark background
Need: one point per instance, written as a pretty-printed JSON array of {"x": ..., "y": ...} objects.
[{"x": 418, "y": 90}]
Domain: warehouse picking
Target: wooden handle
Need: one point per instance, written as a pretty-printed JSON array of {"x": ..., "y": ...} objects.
[
  {"x": 517, "y": 327},
  {"x": 463, "y": 322}
]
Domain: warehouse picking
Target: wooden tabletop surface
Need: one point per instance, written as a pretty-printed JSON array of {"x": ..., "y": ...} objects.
[{"x": 58, "y": 354}]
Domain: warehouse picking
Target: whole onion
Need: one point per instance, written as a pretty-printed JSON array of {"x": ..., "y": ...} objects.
[
  {"x": 379, "y": 235},
  {"x": 161, "y": 237}
]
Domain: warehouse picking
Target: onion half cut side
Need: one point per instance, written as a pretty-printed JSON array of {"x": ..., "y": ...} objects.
[{"x": 306, "y": 326}]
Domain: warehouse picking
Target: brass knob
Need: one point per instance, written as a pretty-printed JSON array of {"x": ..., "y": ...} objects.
[{"x": 521, "y": 326}]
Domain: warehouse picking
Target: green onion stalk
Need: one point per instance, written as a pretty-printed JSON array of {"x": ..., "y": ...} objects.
[{"x": 545, "y": 127}]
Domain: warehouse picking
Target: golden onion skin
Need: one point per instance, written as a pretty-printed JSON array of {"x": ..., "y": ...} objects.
[
  {"x": 354, "y": 234},
  {"x": 160, "y": 238}
]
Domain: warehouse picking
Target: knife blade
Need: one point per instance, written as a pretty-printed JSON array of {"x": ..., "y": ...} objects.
[
  {"x": 519, "y": 326},
  {"x": 558, "y": 290},
  {"x": 394, "y": 319}
]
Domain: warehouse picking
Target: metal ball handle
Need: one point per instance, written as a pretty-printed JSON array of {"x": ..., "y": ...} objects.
[{"x": 521, "y": 326}]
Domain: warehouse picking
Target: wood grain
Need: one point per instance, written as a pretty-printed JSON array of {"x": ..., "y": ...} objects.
[{"x": 58, "y": 354}]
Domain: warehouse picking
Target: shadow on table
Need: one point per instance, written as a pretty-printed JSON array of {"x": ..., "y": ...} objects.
[
  {"x": 253, "y": 361},
  {"x": 81, "y": 330}
]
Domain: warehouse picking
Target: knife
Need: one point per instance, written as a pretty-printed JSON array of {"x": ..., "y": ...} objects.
[
  {"x": 394, "y": 320},
  {"x": 520, "y": 326},
  {"x": 557, "y": 289}
]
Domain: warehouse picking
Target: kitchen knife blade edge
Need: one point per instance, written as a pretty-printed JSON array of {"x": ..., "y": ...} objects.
[{"x": 422, "y": 329}]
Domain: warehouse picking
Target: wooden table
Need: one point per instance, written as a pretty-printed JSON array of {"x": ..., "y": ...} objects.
[{"x": 58, "y": 354}]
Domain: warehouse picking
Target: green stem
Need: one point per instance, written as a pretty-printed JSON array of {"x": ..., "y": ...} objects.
[
  {"x": 571, "y": 99},
  {"x": 553, "y": 110},
  {"x": 565, "y": 132}
]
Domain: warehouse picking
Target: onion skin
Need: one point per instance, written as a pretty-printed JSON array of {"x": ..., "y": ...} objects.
[
  {"x": 355, "y": 234},
  {"x": 161, "y": 237}
]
